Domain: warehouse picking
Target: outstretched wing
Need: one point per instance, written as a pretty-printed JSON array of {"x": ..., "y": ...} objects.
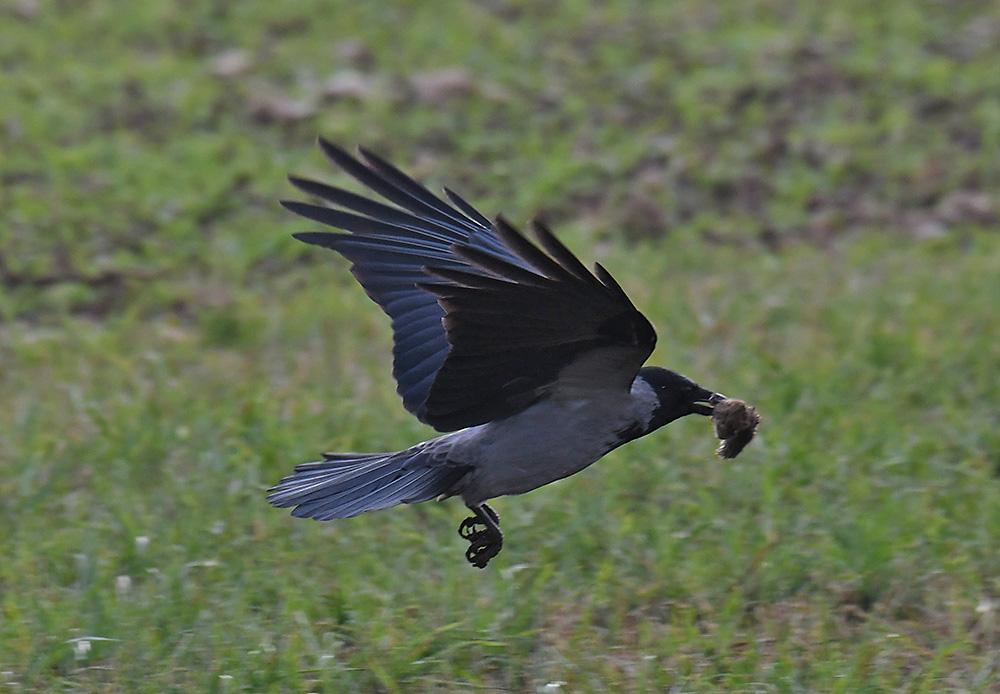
[
  {"x": 517, "y": 335},
  {"x": 389, "y": 248},
  {"x": 484, "y": 322}
]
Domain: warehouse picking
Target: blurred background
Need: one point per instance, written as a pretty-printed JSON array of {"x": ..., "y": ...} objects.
[{"x": 803, "y": 199}]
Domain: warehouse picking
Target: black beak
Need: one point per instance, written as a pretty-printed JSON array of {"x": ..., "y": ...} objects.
[{"x": 705, "y": 402}]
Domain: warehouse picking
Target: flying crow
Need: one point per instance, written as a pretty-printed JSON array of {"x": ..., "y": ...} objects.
[{"x": 531, "y": 364}]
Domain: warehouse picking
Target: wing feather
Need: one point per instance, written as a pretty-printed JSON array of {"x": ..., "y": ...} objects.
[{"x": 485, "y": 321}]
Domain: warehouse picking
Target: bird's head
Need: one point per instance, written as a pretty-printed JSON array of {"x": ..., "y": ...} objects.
[{"x": 677, "y": 396}]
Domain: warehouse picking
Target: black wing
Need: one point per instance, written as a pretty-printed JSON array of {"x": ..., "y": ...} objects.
[
  {"x": 517, "y": 335},
  {"x": 389, "y": 248},
  {"x": 518, "y": 319}
]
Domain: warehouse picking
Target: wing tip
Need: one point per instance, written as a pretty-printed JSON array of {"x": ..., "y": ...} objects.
[
  {"x": 303, "y": 209},
  {"x": 292, "y": 205},
  {"x": 316, "y": 238},
  {"x": 299, "y": 181},
  {"x": 330, "y": 149}
]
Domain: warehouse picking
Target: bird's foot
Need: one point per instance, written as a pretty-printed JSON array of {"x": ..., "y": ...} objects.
[
  {"x": 476, "y": 526},
  {"x": 484, "y": 536},
  {"x": 482, "y": 550},
  {"x": 471, "y": 528}
]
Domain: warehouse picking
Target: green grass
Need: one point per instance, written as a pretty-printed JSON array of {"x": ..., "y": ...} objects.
[{"x": 804, "y": 202}]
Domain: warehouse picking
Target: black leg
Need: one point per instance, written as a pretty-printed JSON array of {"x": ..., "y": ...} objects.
[{"x": 484, "y": 536}]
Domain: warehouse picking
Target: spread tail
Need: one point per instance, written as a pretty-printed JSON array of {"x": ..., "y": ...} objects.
[{"x": 346, "y": 484}]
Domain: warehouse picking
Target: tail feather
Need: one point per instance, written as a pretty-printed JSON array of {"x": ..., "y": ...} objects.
[
  {"x": 347, "y": 484},
  {"x": 343, "y": 498},
  {"x": 376, "y": 495},
  {"x": 316, "y": 485}
]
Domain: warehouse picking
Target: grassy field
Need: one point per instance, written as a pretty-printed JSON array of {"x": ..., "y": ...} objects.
[{"x": 805, "y": 202}]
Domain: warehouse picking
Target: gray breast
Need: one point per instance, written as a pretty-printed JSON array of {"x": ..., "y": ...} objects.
[{"x": 549, "y": 441}]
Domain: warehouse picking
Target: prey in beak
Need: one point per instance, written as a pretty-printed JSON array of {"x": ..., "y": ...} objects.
[{"x": 735, "y": 424}]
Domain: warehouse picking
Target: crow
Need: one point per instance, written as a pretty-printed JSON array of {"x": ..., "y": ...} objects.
[{"x": 530, "y": 364}]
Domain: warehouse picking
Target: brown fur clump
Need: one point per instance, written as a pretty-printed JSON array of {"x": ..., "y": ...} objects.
[{"x": 735, "y": 424}]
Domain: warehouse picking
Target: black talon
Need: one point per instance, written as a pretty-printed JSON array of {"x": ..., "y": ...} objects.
[
  {"x": 479, "y": 554},
  {"x": 468, "y": 528},
  {"x": 485, "y": 543}
]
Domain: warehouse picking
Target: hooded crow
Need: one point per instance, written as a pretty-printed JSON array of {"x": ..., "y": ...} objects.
[{"x": 531, "y": 364}]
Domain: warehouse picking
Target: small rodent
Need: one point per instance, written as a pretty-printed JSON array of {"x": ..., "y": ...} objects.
[{"x": 735, "y": 424}]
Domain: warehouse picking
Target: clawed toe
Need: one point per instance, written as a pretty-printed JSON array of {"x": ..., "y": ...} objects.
[
  {"x": 481, "y": 551},
  {"x": 471, "y": 528},
  {"x": 484, "y": 536}
]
